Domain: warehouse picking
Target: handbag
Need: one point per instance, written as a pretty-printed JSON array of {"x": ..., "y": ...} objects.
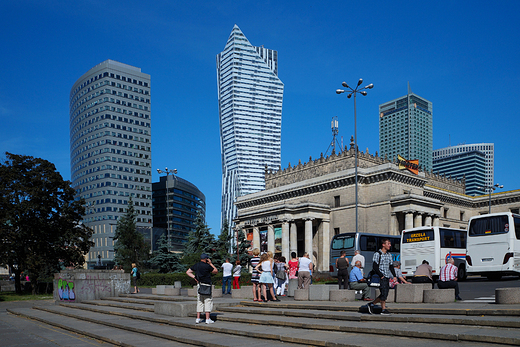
[
  {"x": 280, "y": 274},
  {"x": 204, "y": 289}
]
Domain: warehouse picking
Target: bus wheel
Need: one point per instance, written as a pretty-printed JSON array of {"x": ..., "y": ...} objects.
[
  {"x": 462, "y": 275},
  {"x": 494, "y": 276}
]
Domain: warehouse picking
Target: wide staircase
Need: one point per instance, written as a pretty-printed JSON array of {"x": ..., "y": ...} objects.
[{"x": 129, "y": 320}]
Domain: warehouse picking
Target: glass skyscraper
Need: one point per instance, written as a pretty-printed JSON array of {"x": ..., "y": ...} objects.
[
  {"x": 110, "y": 150},
  {"x": 250, "y": 96},
  {"x": 470, "y": 165},
  {"x": 406, "y": 129}
]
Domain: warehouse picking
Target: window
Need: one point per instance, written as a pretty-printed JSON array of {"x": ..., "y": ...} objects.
[
  {"x": 337, "y": 201},
  {"x": 462, "y": 215},
  {"x": 336, "y": 231},
  {"x": 489, "y": 226},
  {"x": 343, "y": 242}
]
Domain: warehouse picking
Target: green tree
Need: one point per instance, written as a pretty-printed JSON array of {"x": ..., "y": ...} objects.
[
  {"x": 199, "y": 241},
  {"x": 165, "y": 260},
  {"x": 129, "y": 246},
  {"x": 223, "y": 245},
  {"x": 40, "y": 228},
  {"x": 243, "y": 246}
]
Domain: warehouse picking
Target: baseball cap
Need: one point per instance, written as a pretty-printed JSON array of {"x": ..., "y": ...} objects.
[{"x": 204, "y": 256}]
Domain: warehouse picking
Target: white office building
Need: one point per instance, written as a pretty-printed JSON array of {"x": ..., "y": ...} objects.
[
  {"x": 250, "y": 96},
  {"x": 487, "y": 148},
  {"x": 110, "y": 150}
]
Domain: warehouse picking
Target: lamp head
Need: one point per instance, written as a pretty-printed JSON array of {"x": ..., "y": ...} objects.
[
  {"x": 175, "y": 171},
  {"x": 339, "y": 91},
  {"x": 363, "y": 93},
  {"x": 348, "y": 96},
  {"x": 360, "y": 81},
  {"x": 159, "y": 171},
  {"x": 370, "y": 86},
  {"x": 344, "y": 84}
]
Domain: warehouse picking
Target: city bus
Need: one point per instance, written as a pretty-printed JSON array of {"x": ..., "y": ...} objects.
[
  {"x": 366, "y": 243},
  {"x": 493, "y": 248},
  {"x": 435, "y": 245}
]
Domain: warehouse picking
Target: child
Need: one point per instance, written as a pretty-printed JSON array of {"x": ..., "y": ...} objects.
[{"x": 236, "y": 275}]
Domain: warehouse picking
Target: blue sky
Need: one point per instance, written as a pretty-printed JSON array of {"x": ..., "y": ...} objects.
[{"x": 463, "y": 56}]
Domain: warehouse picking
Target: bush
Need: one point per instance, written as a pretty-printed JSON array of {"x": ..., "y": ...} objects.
[{"x": 154, "y": 279}]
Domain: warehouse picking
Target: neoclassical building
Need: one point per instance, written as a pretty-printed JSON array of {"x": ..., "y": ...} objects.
[{"x": 304, "y": 206}]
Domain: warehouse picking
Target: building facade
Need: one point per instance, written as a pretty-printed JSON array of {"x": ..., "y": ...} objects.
[
  {"x": 110, "y": 150},
  {"x": 250, "y": 96},
  {"x": 406, "y": 129},
  {"x": 487, "y": 148},
  {"x": 470, "y": 166},
  {"x": 304, "y": 206},
  {"x": 176, "y": 203}
]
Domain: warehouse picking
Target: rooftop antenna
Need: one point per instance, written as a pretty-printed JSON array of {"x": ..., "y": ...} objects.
[{"x": 334, "y": 125}]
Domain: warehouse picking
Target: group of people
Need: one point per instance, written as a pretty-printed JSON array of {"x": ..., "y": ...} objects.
[
  {"x": 448, "y": 276},
  {"x": 230, "y": 272}
]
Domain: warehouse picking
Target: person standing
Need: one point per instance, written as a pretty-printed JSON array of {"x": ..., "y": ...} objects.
[
  {"x": 293, "y": 266},
  {"x": 255, "y": 275},
  {"x": 265, "y": 267},
  {"x": 304, "y": 271},
  {"x": 342, "y": 267},
  {"x": 201, "y": 272},
  {"x": 133, "y": 273},
  {"x": 382, "y": 266},
  {"x": 227, "y": 269},
  {"x": 423, "y": 274},
  {"x": 237, "y": 271},
  {"x": 357, "y": 256},
  {"x": 358, "y": 282},
  {"x": 281, "y": 276},
  {"x": 448, "y": 277}
]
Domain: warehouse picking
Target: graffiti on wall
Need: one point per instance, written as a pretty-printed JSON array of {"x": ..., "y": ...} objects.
[{"x": 66, "y": 290}]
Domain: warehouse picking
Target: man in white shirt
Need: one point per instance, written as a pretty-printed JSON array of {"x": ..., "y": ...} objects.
[
  {"x": 304, "y": 271},
  {"x": 227, "y": 268},
  {"x": 358, "y": 257}
]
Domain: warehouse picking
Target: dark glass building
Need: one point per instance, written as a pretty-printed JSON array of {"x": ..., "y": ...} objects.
[{"x": 184, "y": 200}]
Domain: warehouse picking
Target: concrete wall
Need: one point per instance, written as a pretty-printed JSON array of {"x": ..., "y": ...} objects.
[{"x": 80, "y": 285}]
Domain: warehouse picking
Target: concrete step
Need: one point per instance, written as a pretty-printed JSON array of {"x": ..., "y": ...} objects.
[
  {"x": 487, "y": 321},
  {"x": 148, "y": 307},
  {"x": 155, "y": 297},
  {"x": 307, "y": 331}
]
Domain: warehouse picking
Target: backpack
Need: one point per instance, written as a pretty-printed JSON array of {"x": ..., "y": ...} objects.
[
  {"x": 138, "y": 275},
  {"x": 373, "y": 278},
  {"x": 280, "y": 273}
]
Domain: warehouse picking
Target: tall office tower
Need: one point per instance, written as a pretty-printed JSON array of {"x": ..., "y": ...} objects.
[
  {"x": 250, "y": 98},
  {"x": 184, "y": 201},
  {"x": 406, "y": 129},
  {"x": 468, "y": 165},
  {"x": 487, "y": 148},
  {"x": 110, "y": 150}
]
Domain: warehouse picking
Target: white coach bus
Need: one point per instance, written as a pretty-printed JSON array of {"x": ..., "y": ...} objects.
[
  {"x": 435, "y": 245},
  {"x": 493, "y": 248}
]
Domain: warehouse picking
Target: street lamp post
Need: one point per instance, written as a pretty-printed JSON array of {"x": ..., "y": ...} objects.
[
  {"x": 168, "y": 172},
  {"x": 490, "y": 189},
  {"x": 353, "y": 91}
]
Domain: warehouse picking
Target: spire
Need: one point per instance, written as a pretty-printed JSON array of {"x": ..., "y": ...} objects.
[{"x": 409, "y": 89}]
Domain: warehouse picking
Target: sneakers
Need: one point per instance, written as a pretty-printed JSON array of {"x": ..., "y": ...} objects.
[
  {"x": 458, "y": 298},
  {"x": 198, "y": 320},
  {"x": 209, "y": 321},
  {"x": 370, "y": 306},
  {"x": 385, "y": 312}
]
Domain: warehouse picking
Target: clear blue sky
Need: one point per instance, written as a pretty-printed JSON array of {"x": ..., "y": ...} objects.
[{"x": 463, "y": 56}]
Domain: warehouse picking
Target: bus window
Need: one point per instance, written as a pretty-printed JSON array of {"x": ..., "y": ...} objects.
[
  {"x": 369, "y": 243},
  {"x": 489, "y": 226},
  {"x": 447, "y": 238},
  {"x": 517, "y": 227},
  {"x": 396, "y": 245},
  {"x": 343, "y": 242},
  {"x": 460, "y": 239}
]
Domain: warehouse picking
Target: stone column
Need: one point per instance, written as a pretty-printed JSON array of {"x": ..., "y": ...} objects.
[
  {"x": 408, "y": 220},
  {"x": 417, "y": 220},
  {"x": 325, "y": 251},
  {"x": 285, "y": 240},
  {"x": 308, "y": 236},
  {"x": 428, "y": 220},
  {"x": 394, "y": 224},
  {"x": 270, "y": 238},
  {"x": 435, "y": 220},
  {"x": 256, "y": 237},
  {"x": 293, "y": 238}
]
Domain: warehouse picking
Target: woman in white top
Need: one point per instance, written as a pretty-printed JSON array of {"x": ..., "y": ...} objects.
[
  {"x": 265, "y": 267},
  {"x": 304, "y": 271}
]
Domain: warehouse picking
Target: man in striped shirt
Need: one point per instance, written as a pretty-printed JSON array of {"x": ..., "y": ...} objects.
[{"x": 448, "y": 277}]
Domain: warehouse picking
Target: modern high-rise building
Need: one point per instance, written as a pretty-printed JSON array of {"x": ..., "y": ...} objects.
[
  {"x": 185, "y": 200},
  {"x": 406, "y": 129},
  {"x": 110, "y": 150},
  {"x": 250, "y": 96},
  {"x": 487, "y": 148},
  {"x": 468, "y": 165}
]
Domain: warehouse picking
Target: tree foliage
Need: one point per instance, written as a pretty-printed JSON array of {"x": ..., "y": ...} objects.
[
  {"x": 243, "y": 246},
  {"x": 129, "y": 245},
  {"x": 165, "y": 260},
  {"x": 199, "y": 241},
  {"x": 39, "y": 219},
  {"x": 223, "y": 245}
]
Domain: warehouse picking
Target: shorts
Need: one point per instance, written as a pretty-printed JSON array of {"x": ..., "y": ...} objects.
[
  {"x": 384, "y": 287},
  {"x": 134, "y": 281},
  {"x": 204, "y": 302}
]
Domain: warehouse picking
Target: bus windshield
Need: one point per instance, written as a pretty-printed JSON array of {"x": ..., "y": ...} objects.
[
  {"x": 489, "y": 226},
  {"x": 345, "y": 242}
]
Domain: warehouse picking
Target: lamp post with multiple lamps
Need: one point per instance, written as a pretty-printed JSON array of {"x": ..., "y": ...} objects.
[
  {"x": 168, "y": 172},
  {"x": 353, "y": 91},
  {"x": 490, "y": 189}
]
